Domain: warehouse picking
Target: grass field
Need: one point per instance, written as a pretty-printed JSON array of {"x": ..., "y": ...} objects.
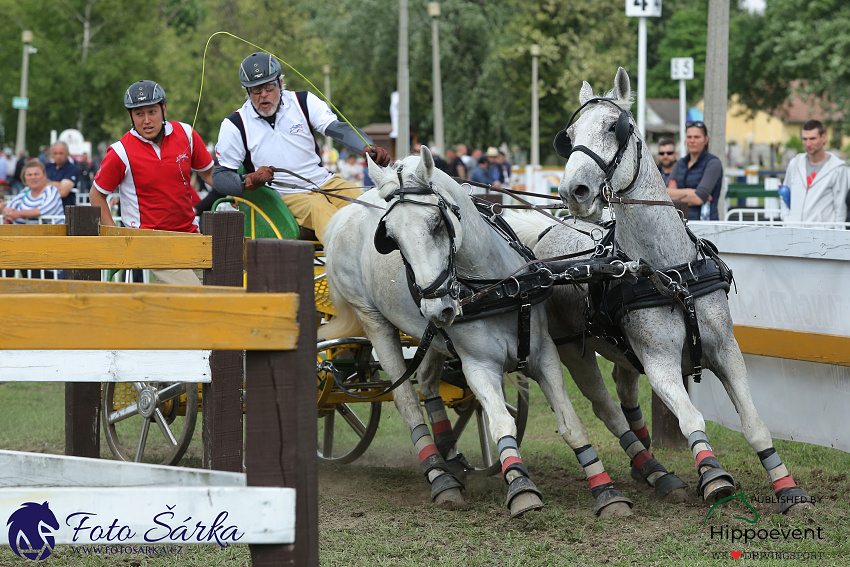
[{"x": 376, "y": 511}]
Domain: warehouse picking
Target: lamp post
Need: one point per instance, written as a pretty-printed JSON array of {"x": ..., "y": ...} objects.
[
  {"x": 439, "y": 138},
  {"x": 21, "y": 142},
  {"x": 326, "y": 69},
  {"x": 535, "y": 122}
]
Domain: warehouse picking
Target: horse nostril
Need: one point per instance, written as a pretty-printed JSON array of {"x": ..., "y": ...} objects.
[
  {"x": 581, "y": 193},
  {"x": 447, "y": 314}
]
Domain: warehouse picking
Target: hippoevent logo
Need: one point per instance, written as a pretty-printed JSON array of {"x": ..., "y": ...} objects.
[
  {"x": 31, "y": 530},
  {"x": 743, "y": 536}
]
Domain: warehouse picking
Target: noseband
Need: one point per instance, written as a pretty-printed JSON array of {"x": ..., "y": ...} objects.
[
  {"x": 623, "y": 131},
  {"x": 384, "y": 244}
]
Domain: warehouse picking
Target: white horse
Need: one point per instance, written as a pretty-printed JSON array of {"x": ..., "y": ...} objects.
[
  {"x": 432, "y": 226},
  {"x": 607, "y": 162}
]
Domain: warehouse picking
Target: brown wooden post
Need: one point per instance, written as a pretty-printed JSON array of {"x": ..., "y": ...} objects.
[
  {"x": 82, "y": 400},
  {"x": 222, "y": 424},
  {"x": 282, "y": 430},
  {"x": 665, "y": 425}
]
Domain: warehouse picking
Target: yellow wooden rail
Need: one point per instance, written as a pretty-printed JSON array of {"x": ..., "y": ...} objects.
[
  {"x": 100, "y": 252},
  {"x": 124, "y": 231},
  {"x": 250, "y": 321},
  {"x": 33, "y": 230},
  {"x": 794, "y": 345},
  {"x": 23, "y": 285}
]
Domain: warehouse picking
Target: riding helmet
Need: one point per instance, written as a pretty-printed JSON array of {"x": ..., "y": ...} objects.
[
  {"x": 143, "y": 93},
  {"x": 258, "y": 69}
]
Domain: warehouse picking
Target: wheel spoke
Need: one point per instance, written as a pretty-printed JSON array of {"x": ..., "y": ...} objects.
[
  {"x": 166, "y": 431},
  {"x": 139, "y": 386},
  {"x": 352, "y": 419},
  {"x": 462, "y": 420},
  {"x": 484, "y": 437},
  {"x": 170, "y": 392},
  {"x": 123, "y": 413},
  {"x": 143, "y": 439},
  {"x": 328, "y": 438}
]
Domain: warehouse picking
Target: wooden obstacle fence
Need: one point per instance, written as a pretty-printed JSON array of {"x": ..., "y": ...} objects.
[{"x": 274, "y": 321}]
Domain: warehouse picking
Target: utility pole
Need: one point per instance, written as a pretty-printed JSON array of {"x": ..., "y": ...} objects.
[
  {"x": 23, "y": 102},
  {"x": 535, "y": 121},
  {"x": 326, "y": 69},
  {"x": 402, "y": 143},
  {"x": 716, "y": 84},
  {"x": 439, "y": 137}
]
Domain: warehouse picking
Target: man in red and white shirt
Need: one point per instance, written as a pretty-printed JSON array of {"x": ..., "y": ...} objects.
[{"x": 151, "y": 166}]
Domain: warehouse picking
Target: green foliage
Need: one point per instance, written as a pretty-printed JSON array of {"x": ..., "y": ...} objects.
[{"x": 796, "y": 144}]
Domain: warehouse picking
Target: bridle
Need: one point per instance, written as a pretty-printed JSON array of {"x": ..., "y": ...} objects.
[
  {"x": 623, "y": 131},
  {"x": 446, "y": 283}
]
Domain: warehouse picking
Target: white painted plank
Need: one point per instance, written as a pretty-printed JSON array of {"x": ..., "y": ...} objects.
[
  {"x": 19, "y": 469},
  {"x": 156, "y": 516},
  {"x": 744, "y": 238},
  {"x": 104, "y": 366}
]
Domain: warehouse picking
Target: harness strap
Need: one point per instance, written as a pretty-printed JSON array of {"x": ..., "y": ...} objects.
[
  {"x": 424, "y": 344},
  {"x": 523, "y": 348}
]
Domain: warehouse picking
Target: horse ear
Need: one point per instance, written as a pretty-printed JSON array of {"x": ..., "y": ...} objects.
[
  {"x": 426, "y": 163},
  {"x": 622, "y": 87},
  {"x": 585, "y": 94},
  {"x": 376, "y": 172}
]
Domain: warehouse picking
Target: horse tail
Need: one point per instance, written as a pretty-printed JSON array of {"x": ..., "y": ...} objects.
[
  {"x": 528, "y": 226},
  {"x": 344, "y": 323}
]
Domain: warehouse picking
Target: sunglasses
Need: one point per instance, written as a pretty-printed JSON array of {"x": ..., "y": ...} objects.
[
  {"x": 695, "y": 124},
  {"x": 666, "y": 153},
  {"x": 268, "y": 87}
]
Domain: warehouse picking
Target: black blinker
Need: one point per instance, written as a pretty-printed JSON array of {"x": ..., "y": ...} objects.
[
  {"x": 383, "y": 243},
  {"x": 562, "y": 144}
]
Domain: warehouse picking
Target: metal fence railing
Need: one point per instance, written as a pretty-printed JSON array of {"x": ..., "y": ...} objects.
[{"x": 771, "y": 217}]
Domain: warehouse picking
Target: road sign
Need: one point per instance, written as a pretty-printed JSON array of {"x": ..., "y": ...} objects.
[
  {"x": 682, "y": 68},
  {"x": 643, "y": 8},
  {"x": 20, "y": 102}
]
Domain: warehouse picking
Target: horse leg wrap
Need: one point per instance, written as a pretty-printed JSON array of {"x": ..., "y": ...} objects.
[
  {"x": 645, "y": 467},
  {"x": 594, "y": 470},
  {"x": 667, "y": 483},
  {"x": 432, "y": 463},
  {"x": 637, "y": 424},
  {"x": 444, "y": 437},
  {"x": 708, "y": 467},
  {"x": 787, "y": 492},
  {"x": 512, "y": 464}
]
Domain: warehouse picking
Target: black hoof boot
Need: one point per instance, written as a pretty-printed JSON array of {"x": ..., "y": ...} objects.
[
  {"x": 523, "y": 497},
  {"x": 715, "y": 484},
  {"x": 445, "y": 491},
  {"x": 611, "y": 503}
]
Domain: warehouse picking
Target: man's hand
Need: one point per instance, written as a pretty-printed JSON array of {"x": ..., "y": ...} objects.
[
  {"x": 259, "y": 178},
  {"x": 378, "y": 154}
]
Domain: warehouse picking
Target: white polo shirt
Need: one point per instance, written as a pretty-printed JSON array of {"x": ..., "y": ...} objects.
[{"x": 290, "y": 145}]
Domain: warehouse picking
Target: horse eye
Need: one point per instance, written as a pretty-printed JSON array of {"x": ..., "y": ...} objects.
[{"x": 612, "y": 127}]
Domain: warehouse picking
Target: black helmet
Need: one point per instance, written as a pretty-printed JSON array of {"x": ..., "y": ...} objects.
[
  {"x": 258, "y": 69},
  {"x": 143, "y": 93}
]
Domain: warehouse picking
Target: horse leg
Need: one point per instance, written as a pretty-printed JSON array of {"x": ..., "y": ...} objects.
[
  {"x": 445, "y": 488},
  {"x": 664, "y": 372},
  {"x": 728, "y": 364},
  {"x": 645, "y": 467},
  {"x": 429, "y": 374},
  {"x": 609, "y": 501}
]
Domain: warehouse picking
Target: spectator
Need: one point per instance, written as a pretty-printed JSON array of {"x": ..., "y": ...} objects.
[
  {"x": 3, "y": 180},
  {"x": 455, "y": 166},
  {"x": 17, "y": 180},
  {"x": 818, "y": 180},
  {"x": 497, "y": 174},
  {"x": 271, "y": 137},
  {"x": 64, "y": 173},
  {"x": 352, "y": 169},
  {"x": 482, "y": 173},
  {"x": 44, "y": 155},
  {"x": 38, "y": 198},
  {"x": 504, "y": 165},
  {"x": 697, "y": 178},
  {"x": 469, "y": 162},
  {"x": 152, "y": 167},
  {"x": 667, "y": 157},
  {"x": 85, "y": 173}
]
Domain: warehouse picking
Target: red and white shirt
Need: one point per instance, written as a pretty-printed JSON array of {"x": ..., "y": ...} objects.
[{"x": 155, "y": 181}]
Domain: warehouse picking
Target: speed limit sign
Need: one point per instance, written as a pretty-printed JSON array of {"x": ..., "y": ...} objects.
[{"x": 682, "y": 68}]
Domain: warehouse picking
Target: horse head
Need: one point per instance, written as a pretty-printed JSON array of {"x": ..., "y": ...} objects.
[
  {"x": 422, "y": 222},
  {"x": 602, "y": 149}
]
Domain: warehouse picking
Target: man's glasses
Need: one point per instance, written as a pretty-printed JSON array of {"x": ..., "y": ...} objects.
[
  {"x": 268, "y": 88},
  {"x": 695, "y": 124},
  {"x": 666, "y": 153}
]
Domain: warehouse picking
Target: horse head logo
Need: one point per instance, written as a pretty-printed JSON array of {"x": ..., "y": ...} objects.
[{"x": 31, "y": 531}]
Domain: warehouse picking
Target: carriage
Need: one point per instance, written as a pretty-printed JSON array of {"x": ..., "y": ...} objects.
[{"x": 350, "y": 384}]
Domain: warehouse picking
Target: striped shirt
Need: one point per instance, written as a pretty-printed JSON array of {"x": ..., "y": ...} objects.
[{"x": 49, "y": 202}]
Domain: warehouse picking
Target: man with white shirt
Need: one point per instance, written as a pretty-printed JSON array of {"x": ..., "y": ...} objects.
[
  {"x": 819, "y": 181},
  {"x": 271, "y": 137}
]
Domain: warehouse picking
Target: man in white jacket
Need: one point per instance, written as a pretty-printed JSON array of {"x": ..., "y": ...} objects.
[{"x": 819, "y": 181}]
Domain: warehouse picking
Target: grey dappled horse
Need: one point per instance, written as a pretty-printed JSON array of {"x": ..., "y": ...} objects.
[
  {"x": 608, "y": 161},
  {"x": 434, "y": 224}
]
